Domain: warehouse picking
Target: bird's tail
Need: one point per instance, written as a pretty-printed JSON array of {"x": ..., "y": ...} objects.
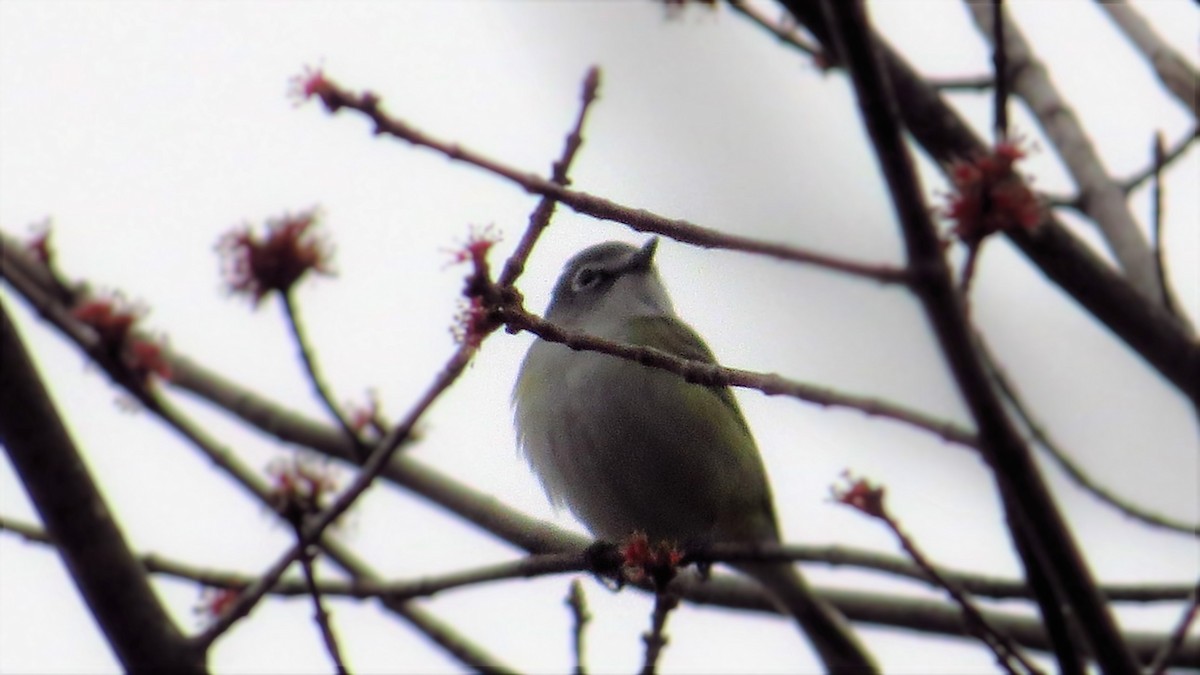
[{"x": 826, "y": 628}]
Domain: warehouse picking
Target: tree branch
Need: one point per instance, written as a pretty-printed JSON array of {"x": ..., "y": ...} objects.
[
  {"x": 1174, "y": 71},
  {"x": 336, "y": 98},
  {"x": 1020, "y": 483},
  {"x": 88, "y": 539},
  {"x": 1103, "y": 200}
]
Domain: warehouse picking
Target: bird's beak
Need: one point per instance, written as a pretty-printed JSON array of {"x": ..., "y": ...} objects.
[{"x": 644, "y": 258}]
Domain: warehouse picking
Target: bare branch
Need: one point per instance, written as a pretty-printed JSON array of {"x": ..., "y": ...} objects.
[
  {"x": 579, "y": 620},
  {"x": 336, "y": 98},
  {"x": 999, "y": 74},
  {"x": 1156, "y": 225},
  {"x": 91, "y": 544},
  {"x": 665, "y": 600},
  {"x": 1162, "y": 341},
  {"x": 788, "y": 35},
  {"x": 320, "y": 614},
  {"x": 1020, "y": 483},
  {"x": 320, "y": 388},
  {"x": 1174, "y": 71},
  {"x": 1173, "y": 645},
  {"x": 722, "y": 590},
  {"x": 1175, "y": 152},
  {"x": 1064, "y": 462},
  {"x": 540, "y": 218},
  {"x": 518, "y": 318},
  {"x": 965, "y": 83},
  {"x": 1103, "y": 200}
]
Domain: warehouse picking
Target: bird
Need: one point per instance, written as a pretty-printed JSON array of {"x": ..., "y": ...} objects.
[{"x": 629, "y": 448}]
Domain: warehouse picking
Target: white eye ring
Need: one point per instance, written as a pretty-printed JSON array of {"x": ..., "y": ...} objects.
[{"x": 587, "y": 278}]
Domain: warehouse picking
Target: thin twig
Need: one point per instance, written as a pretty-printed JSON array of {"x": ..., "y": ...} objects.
[
  {"x": 370, "y": 470},
  {"x": 1176, "y": 151},
  {"x": 540, "y": 218},
  {"x": 1039, "y": 433},
  {"x": 870, "y": 500},
  {"x": 580, "y": 617},
  {"x": 336, "y": 98},
  {"x": 1000, "y": 75},
  {"x": 655, "y": 640},
  {"x": 320, "y": 614},
  {"x": 1156, "y": 220},
  {"x": 786, "y": 34},
  {"x": 292, "y": 315}
]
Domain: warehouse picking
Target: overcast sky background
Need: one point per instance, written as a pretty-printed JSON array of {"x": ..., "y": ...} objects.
[{"x": 147, "y": 130}]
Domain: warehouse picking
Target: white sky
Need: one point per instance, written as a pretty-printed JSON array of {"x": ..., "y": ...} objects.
[{"x": 146, "y": 130}]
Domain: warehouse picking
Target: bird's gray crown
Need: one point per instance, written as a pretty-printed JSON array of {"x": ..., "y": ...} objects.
[{"x": 592, "y": 273}]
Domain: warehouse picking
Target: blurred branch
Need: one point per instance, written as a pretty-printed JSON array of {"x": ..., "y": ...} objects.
[
  {"x": 1174, "y": 71},
  {"x": 320, "y": 614},
  {"x": 1162, "y": 341},
  {"x": 1176, "y": 151},
  {"x": 722, "y": 590},
  {"x": 665, "y": 600},
  {"x": 999, "y": 75},
  {"x": 89, "y": 541},
  {"x": 320, "y": 388},
  {"x": 1165, "y": 656},
  {"x": 787, "y": 34},
  {"x": 1156, "y": 227},
  {"x": 579, "y": 620},
  {"x": 1103, "y": 200},
  {"x": 1064, "y": 462},
  {"x": 1020, "y": 483},
  {"x": 966, "y": 83}
]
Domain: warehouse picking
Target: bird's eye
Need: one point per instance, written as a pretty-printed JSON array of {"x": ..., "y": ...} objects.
[{"x": 588, "y": 278}]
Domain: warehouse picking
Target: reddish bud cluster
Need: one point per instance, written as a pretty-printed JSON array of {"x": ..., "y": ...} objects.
[
  {"x": 39, "y": 243},
  {"x": 990, "y": 196},
  {"x": 366, "y": 416},
  {"x": 475, "y": 250},
  {"x": 643, "y": 559},
  {"x": 860, "y": 494},
  {"x": 300, "y": 486},
  {"x": 256, "y": 265},
  {"x": 473, "y": 323},
  {"x": 114, "y": 320},
  {"x": 309, "y": 83},
  {"x": 214, "y": 602}
]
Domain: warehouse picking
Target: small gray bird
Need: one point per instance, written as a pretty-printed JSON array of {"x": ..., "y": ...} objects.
[{"x": 631, "y": 448}]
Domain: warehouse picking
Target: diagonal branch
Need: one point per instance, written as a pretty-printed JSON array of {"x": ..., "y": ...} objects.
[
  {"x": 336, "y": 98},
  {"x": 1162, "y": 341},
  {"x": 1037, "y": 516},
  {"x": 1103, "y": 200},
  {"x": 1175, "y": 73},
  {"x": 1064, "y": 462},
  {"x": 92, "y": 546}
]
